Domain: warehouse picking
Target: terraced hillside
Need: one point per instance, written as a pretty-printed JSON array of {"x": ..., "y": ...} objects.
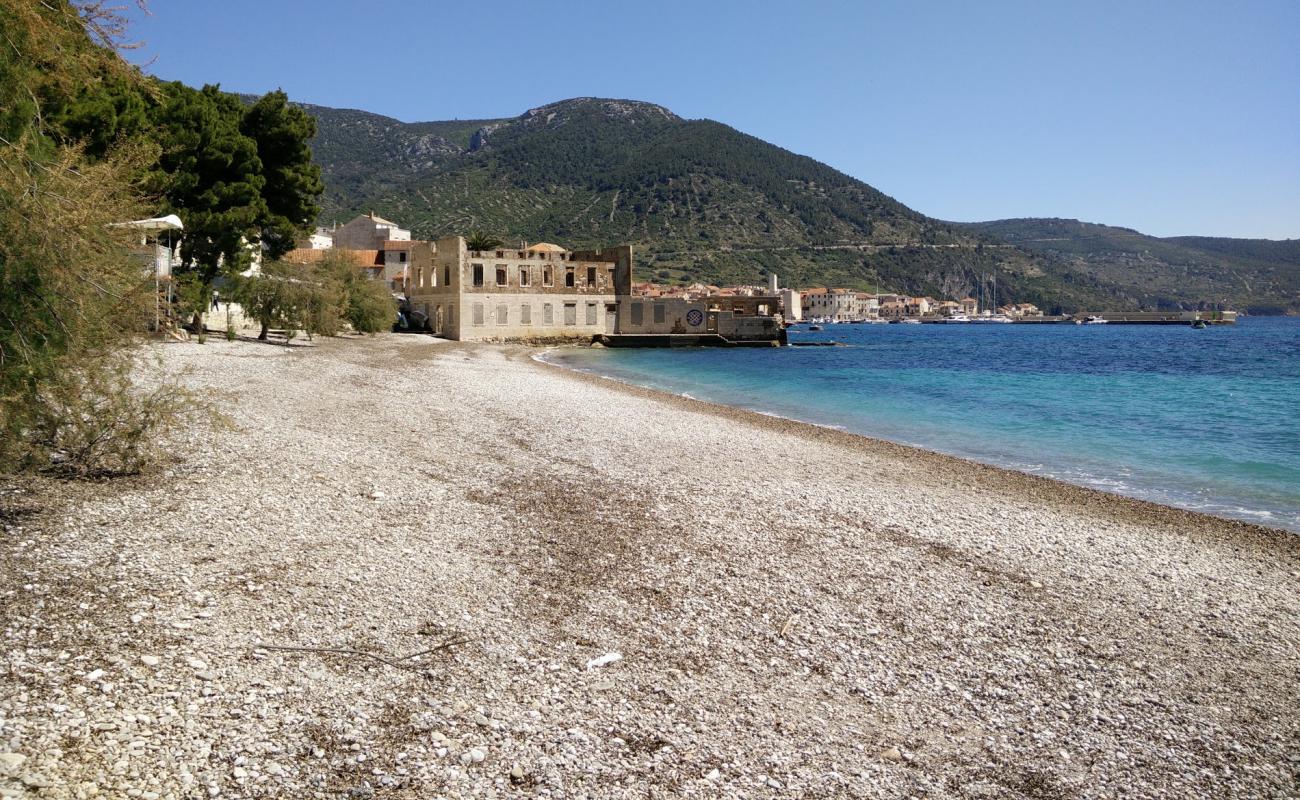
[
  {"x": 1259, "y": 276},
  {"x": 700, "y": 199}
]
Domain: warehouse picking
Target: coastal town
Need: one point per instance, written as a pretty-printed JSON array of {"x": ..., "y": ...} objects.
[
  {"x": 412, "y": 268},
  {"x": 544, "y": 291}
]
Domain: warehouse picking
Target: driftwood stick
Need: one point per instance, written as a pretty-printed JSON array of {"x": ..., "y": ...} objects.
[
  {"x": 348, "y": 652},
  {"x": 443, "y": 646},
  {"x": 337, "y": 650}
]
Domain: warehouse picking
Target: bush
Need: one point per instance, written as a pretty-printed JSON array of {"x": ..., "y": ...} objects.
[
  {"x": 97, "y": 422},
  {"x": 370, "y": 308},
  {"x": 367, "y": 305},
  {"x": 73, "y": 298},
  {"x": 276, "y": 296},
  {"x": 317, "y": 299}
]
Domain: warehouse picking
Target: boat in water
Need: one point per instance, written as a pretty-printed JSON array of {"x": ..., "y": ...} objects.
[{"x": 1093, "y": 320}]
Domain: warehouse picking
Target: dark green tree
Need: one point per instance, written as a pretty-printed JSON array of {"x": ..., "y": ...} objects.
[
  {"x": 109, "y": 108},
  {"x": 292, "y": 180},
  {"x": 210, "y": 175}
]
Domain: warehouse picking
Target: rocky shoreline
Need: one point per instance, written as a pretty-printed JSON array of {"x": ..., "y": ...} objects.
[{"x": 390, "y": 580}]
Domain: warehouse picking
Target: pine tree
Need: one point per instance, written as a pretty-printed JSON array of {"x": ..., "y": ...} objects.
[{"x": 292, "y": 181}]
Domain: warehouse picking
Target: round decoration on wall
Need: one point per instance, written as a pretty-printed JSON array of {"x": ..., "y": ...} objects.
[{"x": 694, "y": 317}]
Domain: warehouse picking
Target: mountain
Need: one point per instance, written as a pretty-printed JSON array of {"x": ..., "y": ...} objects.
[
  {"x": 1259, "y": 276},
  {"x": 701, "y": 200}
]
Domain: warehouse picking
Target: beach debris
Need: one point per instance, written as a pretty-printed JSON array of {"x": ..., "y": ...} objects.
[
  {"x": 789, "y": 623},
  {"x": 605, "y": 660}
]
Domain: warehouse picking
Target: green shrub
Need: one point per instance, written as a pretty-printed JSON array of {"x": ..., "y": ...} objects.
[
  {"x": 365, "y": 304},
  {"x": 370, "y": 308},
  {"x": 98, "y": 422}
]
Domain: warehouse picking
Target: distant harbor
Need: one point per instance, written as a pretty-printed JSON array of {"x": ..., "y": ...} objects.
[{"x": 1087, "y": 318}]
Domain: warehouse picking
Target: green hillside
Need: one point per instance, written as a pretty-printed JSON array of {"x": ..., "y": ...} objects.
[
  {"x": 701, "y": 200},
  {"x": 1254, "y": 275}
]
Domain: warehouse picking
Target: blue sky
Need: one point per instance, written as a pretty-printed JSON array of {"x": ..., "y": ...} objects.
[{"x": 1175, "y": 118}]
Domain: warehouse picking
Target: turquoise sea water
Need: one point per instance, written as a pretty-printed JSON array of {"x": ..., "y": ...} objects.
[{"x": 1206, "y": 420}]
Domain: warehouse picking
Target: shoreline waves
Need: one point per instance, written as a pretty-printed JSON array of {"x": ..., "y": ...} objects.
[
  {"x": 1205, "y": 422},
  {"x": 392, "y": 576},
  {"x": 1065, "y": 490}
]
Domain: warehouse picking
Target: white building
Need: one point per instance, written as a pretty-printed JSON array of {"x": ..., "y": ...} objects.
[
  {"x": 791, "y": 305},
  {"x": 841, "y": 305},
  {"x": 320, "y": 239}
]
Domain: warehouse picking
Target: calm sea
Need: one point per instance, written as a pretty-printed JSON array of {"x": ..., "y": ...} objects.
[{"x": 1203, "y": 419}]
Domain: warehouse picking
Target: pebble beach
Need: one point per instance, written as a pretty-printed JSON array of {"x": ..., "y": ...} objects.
[{"x": 414, "y": 568}]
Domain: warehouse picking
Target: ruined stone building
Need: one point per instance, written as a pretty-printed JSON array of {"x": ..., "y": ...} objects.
[
  {"x": 679, "y": 321},
  {"x": 537, "y": 292},
  {"x": 545, "y": 292},
  {"x": 368, "y": 232}
]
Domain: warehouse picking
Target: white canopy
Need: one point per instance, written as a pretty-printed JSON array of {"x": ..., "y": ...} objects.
[{"x": 169, "y": 222}]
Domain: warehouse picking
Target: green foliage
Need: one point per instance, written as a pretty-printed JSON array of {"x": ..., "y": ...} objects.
[
  {"x": 241, "y": 178},
  {"x": 49, "y": 63},
  {"x": 478, "y": 240},
  {"x": 103, "y": 112},
  {"x": 292, "y": 182},
  {"x": 370, "y": 307},
  {"x": 71, "y": 294},
  {"x": 318, "y": 299},
  {"x": 367, "y": 305},
  {"x": 210, "y": 175},
  {"x": 278, "y": 296}
]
